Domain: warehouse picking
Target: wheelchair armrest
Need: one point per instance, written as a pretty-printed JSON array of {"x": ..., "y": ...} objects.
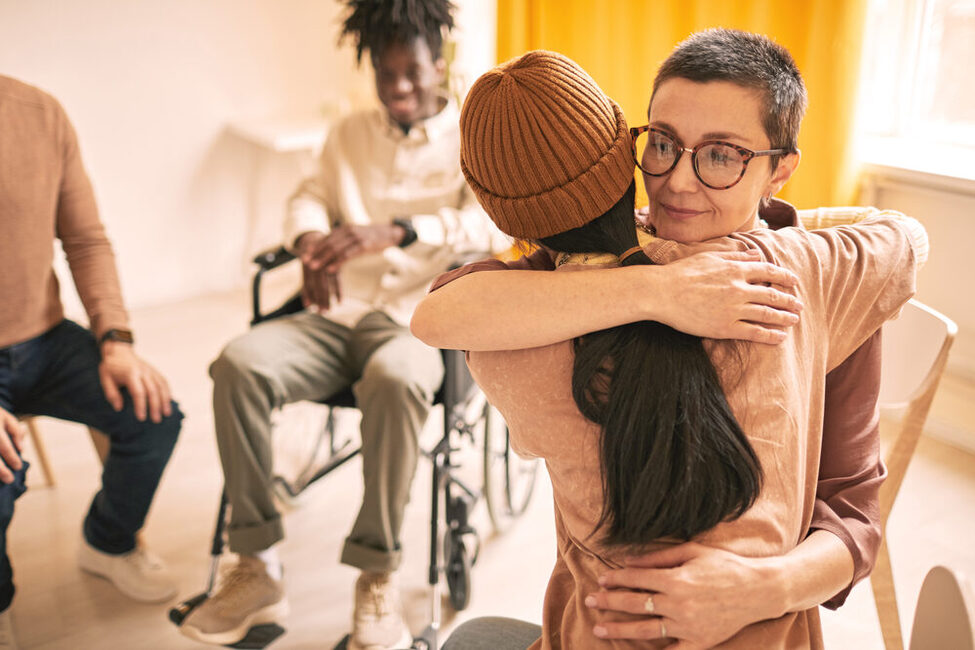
[
  {"x": 268, "y": 260},
  {"x": 272, "y": 258}
]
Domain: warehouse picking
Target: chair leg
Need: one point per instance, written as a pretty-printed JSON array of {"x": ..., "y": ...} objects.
[
  {"x": 882, "y": 582},
  {"x": 101, "y": 442},
  {"x": 41, "y": 451}
]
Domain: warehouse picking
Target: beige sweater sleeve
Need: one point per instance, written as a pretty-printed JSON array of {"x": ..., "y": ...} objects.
[{"x": 86, "y": 246}]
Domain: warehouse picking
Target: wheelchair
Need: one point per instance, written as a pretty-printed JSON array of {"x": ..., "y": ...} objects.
[{"x": 508, "y": 481}]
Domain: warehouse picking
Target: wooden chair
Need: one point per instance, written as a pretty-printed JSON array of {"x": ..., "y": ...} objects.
[
  {"x": 915, "y": 351},
  {"x": 945, "y": 614},
  {"x": 98, "y": 439}
]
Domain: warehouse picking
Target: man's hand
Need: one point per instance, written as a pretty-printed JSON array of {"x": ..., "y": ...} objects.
[
  {"x": 345, "y": 242},
  {"x": 702, "y": 595},
  {"x": 11, "y": 442},
  {"x": 323, "y": 255},
  {"x": 121, "y": 368},
  {"x": 728, "y": 295}
]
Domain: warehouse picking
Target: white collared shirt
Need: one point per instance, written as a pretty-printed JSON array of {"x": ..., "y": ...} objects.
[{"x": 371, "y": 172}]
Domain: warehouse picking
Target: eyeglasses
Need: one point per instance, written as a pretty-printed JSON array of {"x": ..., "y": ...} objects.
[{"x": 717, "y": 164}]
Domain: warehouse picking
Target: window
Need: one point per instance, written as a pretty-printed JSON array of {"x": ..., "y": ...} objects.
[{"x": 917, "y": 100}]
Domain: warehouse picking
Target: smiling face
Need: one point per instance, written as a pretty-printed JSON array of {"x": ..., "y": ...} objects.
[
  {"x": 681, "y": 207},
  {"x": 407, "y": 81}
]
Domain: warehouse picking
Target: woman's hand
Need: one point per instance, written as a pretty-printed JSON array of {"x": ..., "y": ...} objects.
[
  {"x": 697, "y": 594},
  {"x": 728, "y": 295},
  {"x": 11, "y": 444}
]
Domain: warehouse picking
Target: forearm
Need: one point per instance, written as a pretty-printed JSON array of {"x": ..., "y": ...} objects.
[
  {"x": 86, "y": 246},
  {"x": 811, "y": 573},
  {"x": 511, "y": 310}
]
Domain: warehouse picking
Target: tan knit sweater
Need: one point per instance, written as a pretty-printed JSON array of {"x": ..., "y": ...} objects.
[{"x": 45, "y": 193}]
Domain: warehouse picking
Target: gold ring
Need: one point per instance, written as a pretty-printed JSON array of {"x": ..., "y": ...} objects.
[
  {"x": 663, "y": 629},
  {"x": 648, "y": 604}
]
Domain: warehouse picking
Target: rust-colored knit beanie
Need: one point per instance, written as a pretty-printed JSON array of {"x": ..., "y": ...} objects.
[{"x": 542, "y": 147}]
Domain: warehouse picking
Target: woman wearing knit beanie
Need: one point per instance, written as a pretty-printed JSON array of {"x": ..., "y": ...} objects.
[{"x": 704, "y": 453}]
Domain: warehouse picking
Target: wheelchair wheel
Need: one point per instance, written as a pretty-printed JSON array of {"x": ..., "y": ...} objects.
[
  {"x": 508, "y": 479},
  {"x": 457, "y": 570}
]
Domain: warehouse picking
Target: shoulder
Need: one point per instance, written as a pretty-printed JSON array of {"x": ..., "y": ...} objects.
[
  {"x": 31, "y": 115},
  {"x": 23, "y": 94}
]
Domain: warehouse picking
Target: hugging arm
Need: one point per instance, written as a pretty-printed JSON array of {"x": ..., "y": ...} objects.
[{"x": 717, "y": 295}]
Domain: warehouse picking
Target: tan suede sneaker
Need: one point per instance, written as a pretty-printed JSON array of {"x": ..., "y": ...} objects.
[
  {"x": 247, "y": 597},
  {"x": 377, "y": 622}
]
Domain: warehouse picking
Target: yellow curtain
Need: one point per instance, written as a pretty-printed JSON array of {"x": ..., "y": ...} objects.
[{"x": 621, "y": 43}]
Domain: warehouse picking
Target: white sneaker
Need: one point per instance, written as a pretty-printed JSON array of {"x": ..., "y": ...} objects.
[
  {"x": 377, "y": 622},
  {"x": 7, "y": 639},
  {"x": 138, "y": 574}
]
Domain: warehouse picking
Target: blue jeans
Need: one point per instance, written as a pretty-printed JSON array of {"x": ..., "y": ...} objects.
[{"x": 56, "y": 374}]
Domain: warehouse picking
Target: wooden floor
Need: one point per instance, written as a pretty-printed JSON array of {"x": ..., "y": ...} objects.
[{"x": 58, "y": 607}]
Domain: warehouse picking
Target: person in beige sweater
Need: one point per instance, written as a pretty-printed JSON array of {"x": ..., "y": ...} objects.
[
  {"x": 52, "y": 366},
  {"x": 724, "y": 488}
]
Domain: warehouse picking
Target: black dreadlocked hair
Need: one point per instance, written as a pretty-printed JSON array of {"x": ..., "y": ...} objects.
[{"x": 374, "y": 24}]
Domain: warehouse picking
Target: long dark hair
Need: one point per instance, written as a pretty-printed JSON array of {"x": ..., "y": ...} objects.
[{"x": 674, "y": 460}]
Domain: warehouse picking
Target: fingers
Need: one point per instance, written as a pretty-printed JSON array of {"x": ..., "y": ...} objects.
[
  {"x": 17, "y": 433},
  {"x": 774, "y": 297},
  {"x": 760, "y": 272},
  {"x": 9, "y": 430},
  {"x": 137, "y": 391},
  {"x": 153, "y": 396},
  {"x": 768, "y": 316},
  {"x": 320, "y": 288},
  {"x": 632, "y": 602},
  {"x": 334, "y": 287},
  {"x": 332, "y": 250},
  {"x": 110, "y": 388},
  {"x": 756, "y": 333},
  {"x": 312, "y": 290},
  {"x": 763, "y": 272},
  {"x": 641, "y": 579},
  {"x": 648, "y": 628},
  {"x": 165, "y": 394}
]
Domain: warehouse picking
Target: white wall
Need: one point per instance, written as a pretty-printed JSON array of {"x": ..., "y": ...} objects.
[
  {"x": 151, "y": 87},
  {"x": 947, "y": 282},
  {"x": 946, "y": 207}
]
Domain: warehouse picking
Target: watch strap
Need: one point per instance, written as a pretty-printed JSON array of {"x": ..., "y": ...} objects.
[
  {"x": 117, "y": 334},
  {"x": 409, "y": 231}
]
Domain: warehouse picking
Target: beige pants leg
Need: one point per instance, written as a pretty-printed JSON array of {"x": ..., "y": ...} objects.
[
  {"x": 399, "y": 377},
  {"x": 300, "y": 357}
]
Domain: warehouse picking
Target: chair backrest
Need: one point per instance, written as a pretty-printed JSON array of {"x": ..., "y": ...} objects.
[
  {"x": 915, "y": 352},
  {"x": 945, "y": 613},
  {"x": 912, "y": 344}
]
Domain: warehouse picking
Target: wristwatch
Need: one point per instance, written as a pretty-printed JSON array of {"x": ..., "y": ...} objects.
[
  {"x": 118, "y": 335},
  {"x": 409, "y": 235}
]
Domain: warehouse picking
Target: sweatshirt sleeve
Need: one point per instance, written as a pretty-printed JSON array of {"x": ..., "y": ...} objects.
[
  {"x": 316, "y": 197},
  {"x": 463, "y": 229},
  {"x": 86, "y": 246}
]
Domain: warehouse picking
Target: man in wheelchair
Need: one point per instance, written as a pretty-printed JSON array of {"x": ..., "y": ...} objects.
[{"x": 387, "y": 212}]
